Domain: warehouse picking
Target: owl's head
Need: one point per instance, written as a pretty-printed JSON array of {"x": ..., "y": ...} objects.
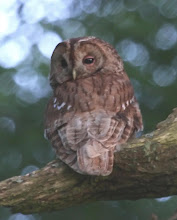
[{"x": 83, "y": 57}]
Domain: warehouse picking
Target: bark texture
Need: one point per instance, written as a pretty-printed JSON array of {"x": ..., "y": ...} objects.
[{"x": 145, "y": 168}]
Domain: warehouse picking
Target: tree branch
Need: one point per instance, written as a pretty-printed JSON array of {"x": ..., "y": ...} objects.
[{"x": 145, "y": 168}]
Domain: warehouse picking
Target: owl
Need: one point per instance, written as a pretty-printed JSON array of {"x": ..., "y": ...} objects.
[{"x": 93, "y": 108}]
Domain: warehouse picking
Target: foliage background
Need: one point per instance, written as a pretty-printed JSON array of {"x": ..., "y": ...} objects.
[{"x": 145, "y": 35}]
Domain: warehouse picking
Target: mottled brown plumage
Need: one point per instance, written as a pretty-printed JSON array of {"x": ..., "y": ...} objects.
[{"x": 93, "y": 107}]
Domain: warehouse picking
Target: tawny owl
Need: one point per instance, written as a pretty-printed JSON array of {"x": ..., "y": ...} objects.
[{"x": 93, "y": 107}]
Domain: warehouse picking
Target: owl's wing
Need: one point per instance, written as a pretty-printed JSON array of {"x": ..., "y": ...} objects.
[
  {"x": 86, "y": 140},
  {"x": 105, "y": 130},
  {"x": 92, "y": 136},
  {"x": 96, "y": 157}
]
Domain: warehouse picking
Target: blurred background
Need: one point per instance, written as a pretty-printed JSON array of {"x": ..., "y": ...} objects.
[{"x": 144, "y": 34}]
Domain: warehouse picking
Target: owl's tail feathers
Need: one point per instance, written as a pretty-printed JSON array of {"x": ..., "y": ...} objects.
[{"x": 94, "y": 159}]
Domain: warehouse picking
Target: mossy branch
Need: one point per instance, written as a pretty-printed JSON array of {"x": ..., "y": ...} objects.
[{"x": 145, "y": 168}]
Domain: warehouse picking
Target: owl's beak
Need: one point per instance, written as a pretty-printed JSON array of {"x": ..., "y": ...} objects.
[{"x": 74, "y": 74}]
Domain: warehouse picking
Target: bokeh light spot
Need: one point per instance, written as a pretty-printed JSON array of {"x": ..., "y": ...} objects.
[
  {"x": 44, "y": 155},
  {"x": 7, "y": 124},
  {"x": 11, "y": 160},
  {"x": 166, "y": 37},
  {"x": 169, "y": 9},
  {"x": 164, "y": 75},
  {"x": 73, "y": 29},
  {"x": 9, "y": 22},
  {"x": 132, "y": 52},
  {"x": 132, "y": 5},
  {"x": 48, "y": 42},
  {"x": 164, "y": 199},
  {"x": 14, "y": 51},
  {"x": 91, "y": 6},
  {"x": 20, "y": 216},
  {"x": 28, "y": 11},
  {"x": 29, "y": 169},
  {"x": 32, "y": 85}
]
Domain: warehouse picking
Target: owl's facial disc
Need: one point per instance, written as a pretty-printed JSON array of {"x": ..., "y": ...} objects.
[
  {"x": 88, "y": 61},
  {"x": 89, "y": 58}
]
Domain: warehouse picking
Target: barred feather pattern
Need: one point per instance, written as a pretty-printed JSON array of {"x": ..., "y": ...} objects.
[{"x": 88, "y": 116}]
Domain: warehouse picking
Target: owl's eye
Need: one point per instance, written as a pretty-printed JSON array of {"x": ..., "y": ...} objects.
[
  {"x": 63, "y": 63},
  {"x": 88, "y": 60}
]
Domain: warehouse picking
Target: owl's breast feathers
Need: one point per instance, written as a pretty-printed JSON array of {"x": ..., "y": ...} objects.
[{"x": 87, "y": 118}]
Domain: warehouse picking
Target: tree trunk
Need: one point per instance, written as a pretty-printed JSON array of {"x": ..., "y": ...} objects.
[{"x": 145, "y": 168}]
